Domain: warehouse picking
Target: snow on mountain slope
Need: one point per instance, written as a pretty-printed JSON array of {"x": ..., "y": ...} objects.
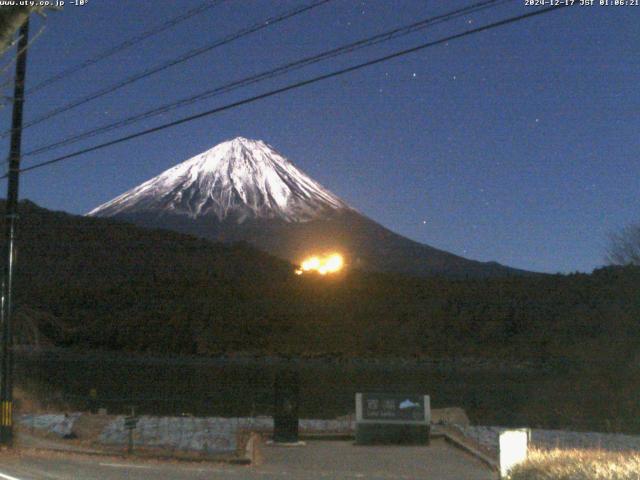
[
  {"x": 244, "y": 191},
  {"x": 236, "y": 180}
]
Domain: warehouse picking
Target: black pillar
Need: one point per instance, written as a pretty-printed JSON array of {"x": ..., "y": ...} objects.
[{"x": 287, "y": 401}]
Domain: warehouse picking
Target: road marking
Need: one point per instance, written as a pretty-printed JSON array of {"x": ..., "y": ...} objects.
[
  {"x": 123, "y": 465},
  {"x": 8, "y": 477}
]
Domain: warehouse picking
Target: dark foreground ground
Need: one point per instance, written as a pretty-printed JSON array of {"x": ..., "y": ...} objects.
[{"x": 316, "y": 460}]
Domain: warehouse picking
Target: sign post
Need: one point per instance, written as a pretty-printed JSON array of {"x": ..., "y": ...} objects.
[
  {"x": 130, "y": 424},
  {"x": 384, "y": 418}
]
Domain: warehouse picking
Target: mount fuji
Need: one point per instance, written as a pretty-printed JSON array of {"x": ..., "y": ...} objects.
[{"x": 244, "y": 190}]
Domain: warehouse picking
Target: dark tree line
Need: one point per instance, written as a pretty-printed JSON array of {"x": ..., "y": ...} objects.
[
  {"x": 88, "y": 283},
  {"x": 101, "y": 284}
]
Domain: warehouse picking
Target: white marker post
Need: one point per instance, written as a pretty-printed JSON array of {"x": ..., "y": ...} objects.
[{"x": 514, "y": 446}]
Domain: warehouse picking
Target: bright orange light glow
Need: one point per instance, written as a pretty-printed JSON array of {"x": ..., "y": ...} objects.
[{"x": 322, "y": 264}]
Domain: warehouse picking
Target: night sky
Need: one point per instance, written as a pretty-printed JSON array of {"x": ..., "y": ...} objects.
[{"x": 519, "y": 145}]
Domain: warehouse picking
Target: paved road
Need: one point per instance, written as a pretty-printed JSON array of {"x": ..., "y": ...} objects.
[
  {"x": 316, "y": 461},
  {"x": 343, "y": 460}
]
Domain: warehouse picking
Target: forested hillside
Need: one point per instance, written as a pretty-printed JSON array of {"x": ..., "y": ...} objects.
[{"x": 104, "y": 284}]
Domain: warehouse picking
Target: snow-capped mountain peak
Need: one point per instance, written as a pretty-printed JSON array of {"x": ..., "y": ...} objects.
[{"x": 235, "y": 180}]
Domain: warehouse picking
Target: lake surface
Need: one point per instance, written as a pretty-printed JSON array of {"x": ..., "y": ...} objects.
[{"x": 490, "y": 393}]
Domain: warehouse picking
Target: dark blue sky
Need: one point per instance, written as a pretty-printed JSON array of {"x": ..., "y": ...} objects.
[{"x": 519, "y": 145}]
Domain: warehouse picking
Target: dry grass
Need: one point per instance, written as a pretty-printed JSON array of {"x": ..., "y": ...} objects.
[
  {"x": 578, "y": 465},
  {"x": 29, "y": 400},
  {"x": 26, "y": 403}
]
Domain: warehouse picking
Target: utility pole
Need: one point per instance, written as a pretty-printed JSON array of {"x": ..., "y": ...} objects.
[{"x": 11, "y": 217}]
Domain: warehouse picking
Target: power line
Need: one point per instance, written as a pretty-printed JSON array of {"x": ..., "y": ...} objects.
[
  {"x": 283, "y": 69},
  {"x": 294, "y": 86},
  {"x": 173, "y": 62},
  {"x": 389, "y": 35},
  {"x": 124, "y": 45}
]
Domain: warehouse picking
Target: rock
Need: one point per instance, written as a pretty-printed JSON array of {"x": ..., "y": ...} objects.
[
  {"x": 58, "y": 424},
  {"x": 180, "y": 433},
  {"x": 449, "y": 416}
]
